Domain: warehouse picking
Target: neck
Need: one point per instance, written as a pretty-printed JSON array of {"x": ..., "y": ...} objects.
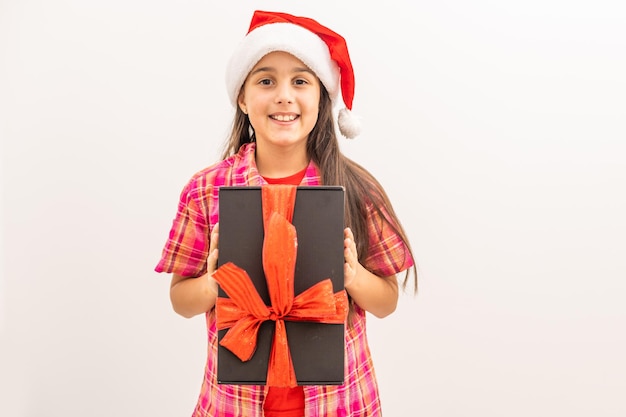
[{"x": 279, "y": 163}]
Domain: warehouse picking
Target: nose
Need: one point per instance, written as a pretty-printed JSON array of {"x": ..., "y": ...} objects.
[{"x": 284, "y": 93}]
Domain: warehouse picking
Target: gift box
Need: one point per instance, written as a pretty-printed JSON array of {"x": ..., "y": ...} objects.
[{"x": 316, "y": 348}]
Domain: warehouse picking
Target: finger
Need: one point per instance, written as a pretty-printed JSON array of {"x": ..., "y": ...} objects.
[
  {"x": 212, "y": 258},
  {"x": 215, "y": 233},
  {"x": 211, "y": 261},
  {"x": 350, "y": 260},
  {"x": 348, "y": 274},
  {"x": 349, "y": 241},
  {"x": 347, "y": 251}
]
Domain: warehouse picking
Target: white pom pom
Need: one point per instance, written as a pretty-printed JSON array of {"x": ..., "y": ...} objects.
[{"x": 349, "y": 126}]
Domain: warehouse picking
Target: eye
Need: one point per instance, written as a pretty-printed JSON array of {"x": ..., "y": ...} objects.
[
  {"x": 300, "y": 81},
  {"x": 265, "y": 81}
]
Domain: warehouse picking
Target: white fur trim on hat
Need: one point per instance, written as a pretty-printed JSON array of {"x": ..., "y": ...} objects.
[{"x": 294, "y": 39}]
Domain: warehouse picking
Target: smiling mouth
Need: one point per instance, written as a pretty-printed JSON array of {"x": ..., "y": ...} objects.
[{"x": 284, "y": 118}]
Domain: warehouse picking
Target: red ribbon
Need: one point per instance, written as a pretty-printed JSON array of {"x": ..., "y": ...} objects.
[{"x": 244, "y": 311}]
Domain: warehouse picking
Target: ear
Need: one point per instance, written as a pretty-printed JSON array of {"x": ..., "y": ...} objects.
[{"x": 242, "y": 104}]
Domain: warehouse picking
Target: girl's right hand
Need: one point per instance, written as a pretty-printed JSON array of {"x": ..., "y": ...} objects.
[
  {"x": 211, "y": 262},
  {"x": 191, "y": 296}
]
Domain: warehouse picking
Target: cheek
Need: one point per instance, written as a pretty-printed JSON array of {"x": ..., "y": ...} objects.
[
  {"x": 316, "y": 105},
  {"x": 313, "y": 106},
  {"x": 257, "y": 103},
  {"x": 314, "y": 112}
]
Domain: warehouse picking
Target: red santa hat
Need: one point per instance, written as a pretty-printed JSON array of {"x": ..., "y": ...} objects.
[{"x": 322, "y": 50}]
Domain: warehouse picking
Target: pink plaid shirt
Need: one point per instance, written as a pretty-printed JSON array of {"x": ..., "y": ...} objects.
[{"x": 185, "y": 254}]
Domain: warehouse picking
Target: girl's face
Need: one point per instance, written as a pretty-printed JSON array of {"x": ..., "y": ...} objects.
[{"x": 281, "y": 98}]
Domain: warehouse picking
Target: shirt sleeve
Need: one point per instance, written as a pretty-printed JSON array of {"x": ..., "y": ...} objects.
[
  {"x": 187, "y": 246},
  {"x": 388, "y": 254}
]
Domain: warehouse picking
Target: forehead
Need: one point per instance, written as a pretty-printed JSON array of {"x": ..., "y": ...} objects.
[{"x": 280, "y": 59}]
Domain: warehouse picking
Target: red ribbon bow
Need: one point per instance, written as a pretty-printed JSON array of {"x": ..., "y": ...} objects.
[{"x": 244, "y": 311}]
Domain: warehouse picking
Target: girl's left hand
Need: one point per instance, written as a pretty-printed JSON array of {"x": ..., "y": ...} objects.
[
  {"x": 350, "y": 267},
  {"x": 377, "y": 295}
]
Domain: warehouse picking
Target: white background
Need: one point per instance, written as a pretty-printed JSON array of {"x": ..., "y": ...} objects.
[{"x": 497, "y": 128}]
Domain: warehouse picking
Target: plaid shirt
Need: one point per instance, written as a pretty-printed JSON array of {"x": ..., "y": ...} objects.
[{"x": 185, "y": 254}]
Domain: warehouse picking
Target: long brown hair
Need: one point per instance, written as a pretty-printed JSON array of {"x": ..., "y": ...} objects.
[{"x": 336, "y": 169}]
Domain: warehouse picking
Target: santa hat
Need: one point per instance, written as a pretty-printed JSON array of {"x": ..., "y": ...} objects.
[{"x": 322, "y": 50}]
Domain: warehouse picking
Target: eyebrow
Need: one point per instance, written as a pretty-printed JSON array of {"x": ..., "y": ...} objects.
[{"x": 272, "y": 69}]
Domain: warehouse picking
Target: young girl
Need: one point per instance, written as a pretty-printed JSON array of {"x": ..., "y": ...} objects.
[{"x": 283, "y": 80}]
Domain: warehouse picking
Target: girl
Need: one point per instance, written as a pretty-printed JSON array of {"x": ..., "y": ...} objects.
[{"x": 283, "y": 81}]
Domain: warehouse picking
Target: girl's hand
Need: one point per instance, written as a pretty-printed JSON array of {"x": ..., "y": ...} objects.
[
  {"x": 377, "y": 295},
  {"x": 350, "y": 267},
  {"x": 211, "y": 261},
  {"x": 191, "y": 296}
]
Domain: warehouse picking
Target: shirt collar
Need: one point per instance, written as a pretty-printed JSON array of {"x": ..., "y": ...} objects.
[{"x": 246, "y": 160}]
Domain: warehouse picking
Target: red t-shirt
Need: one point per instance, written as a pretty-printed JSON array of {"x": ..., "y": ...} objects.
[
  {"x": 285, "y": 402},
  {"x": 294, "y": 179}
]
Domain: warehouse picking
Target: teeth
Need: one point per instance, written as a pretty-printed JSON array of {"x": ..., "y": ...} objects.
[{"x": 282, "y": 118}]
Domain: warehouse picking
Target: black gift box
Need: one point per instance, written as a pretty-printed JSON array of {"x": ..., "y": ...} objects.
[{"x": 317, "y": 349}]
